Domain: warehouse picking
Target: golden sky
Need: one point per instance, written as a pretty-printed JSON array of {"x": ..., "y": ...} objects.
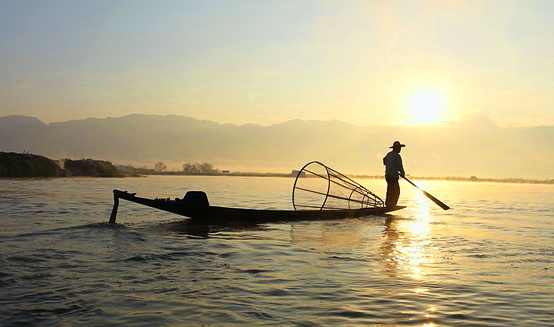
[{"x": 265, "y": 62}]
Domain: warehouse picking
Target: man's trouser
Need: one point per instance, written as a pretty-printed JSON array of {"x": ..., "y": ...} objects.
[{"x": 393, "y": 191}]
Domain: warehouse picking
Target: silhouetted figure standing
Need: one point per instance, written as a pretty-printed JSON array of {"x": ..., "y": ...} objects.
[{"x": 393, "y": 171}]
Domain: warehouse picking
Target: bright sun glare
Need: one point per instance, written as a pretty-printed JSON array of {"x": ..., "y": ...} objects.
[{"x": 425, "y": 106}]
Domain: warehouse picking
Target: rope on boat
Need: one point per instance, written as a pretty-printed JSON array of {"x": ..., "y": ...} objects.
[{"x": 318, "y": 186}]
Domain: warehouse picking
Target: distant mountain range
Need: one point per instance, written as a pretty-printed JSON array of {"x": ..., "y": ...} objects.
[{"x": 474, "y": 146}]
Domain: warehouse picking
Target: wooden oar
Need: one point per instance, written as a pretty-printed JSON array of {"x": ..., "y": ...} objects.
[{"x": 432, "y": 198}]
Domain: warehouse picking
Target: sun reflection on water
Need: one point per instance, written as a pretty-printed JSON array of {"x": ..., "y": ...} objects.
[
  {"x": 407, "y": 248},
  {"x": 407, "y": 241}
]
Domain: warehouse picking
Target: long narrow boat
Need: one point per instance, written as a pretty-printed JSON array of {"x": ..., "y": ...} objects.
[
  {"x": 319, "y": 193},
  {"x": 195, "y": 205}
]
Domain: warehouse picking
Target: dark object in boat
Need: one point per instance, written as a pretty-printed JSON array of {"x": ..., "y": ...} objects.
[{"x": 196, "y": 206}]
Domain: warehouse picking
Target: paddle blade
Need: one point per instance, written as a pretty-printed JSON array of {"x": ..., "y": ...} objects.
[
  {"x": 437, "y": 201},
  {"x": 432, "y": 198}
]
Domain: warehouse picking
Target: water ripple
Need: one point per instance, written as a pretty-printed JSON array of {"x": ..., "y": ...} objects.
[{"x": 488, "y": 262}]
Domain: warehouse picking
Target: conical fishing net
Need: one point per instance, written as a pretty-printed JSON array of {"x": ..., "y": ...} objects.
[{"x": 318, "y": 186}]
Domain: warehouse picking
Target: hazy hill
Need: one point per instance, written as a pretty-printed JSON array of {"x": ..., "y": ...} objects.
[{"x": 474, "y": 146}]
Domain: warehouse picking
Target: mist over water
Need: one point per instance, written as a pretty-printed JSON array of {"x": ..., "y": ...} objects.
[{"x": 486, "y": 262}]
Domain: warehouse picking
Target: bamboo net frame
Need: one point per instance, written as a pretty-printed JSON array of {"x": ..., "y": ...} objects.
[{"x": 320, "y": 187}]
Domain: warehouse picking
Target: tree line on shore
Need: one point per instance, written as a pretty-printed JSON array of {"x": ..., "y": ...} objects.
[
  {"x": 190, "y": 168},
  {"x": 31, "y": 165},
  {"x": 159, "y": 168}
]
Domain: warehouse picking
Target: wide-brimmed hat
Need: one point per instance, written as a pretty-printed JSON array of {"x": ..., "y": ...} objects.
[{"x": 397, "y": 144}]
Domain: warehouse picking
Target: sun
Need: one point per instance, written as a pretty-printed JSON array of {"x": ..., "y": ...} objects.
[{"x": 425, "y": 106}]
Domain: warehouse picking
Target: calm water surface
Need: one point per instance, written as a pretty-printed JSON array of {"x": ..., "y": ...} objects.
[{"x": 487, "y": 262}]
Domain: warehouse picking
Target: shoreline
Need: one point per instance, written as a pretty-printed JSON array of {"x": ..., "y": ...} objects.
[
  {"x": 447, "y": 179},
  {"x": 284, "y": 175}
]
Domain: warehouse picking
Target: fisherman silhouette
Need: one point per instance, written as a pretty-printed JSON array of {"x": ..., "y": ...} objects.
[{"x": 393, "y": 171}]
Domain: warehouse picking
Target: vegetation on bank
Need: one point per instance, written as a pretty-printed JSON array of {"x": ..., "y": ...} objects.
[
  {"x": 31, "y": 165},
  {"x": 160, "y": 168},
  {"x": 90, "y": 167},
  {"x": 206, "y": 169},
  {"x": 192, "y": 169},
  {"x": 28, "y": 165}
]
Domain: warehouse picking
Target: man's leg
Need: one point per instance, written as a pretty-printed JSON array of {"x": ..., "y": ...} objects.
[
  {"x": 396, "y": 194},
  {"x": 393, "y": 191}
]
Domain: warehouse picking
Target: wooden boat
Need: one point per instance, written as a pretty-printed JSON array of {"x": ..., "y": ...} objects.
[
  {"x": 319, "y": 193},
  {"x": 196, "y": 206}
]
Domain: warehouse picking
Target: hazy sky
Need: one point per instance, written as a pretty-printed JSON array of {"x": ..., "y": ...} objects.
[{"x": 363, "y": 62}]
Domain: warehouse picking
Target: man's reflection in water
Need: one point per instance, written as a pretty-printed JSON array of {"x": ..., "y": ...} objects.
[
  {"x": 388, "y": 246},
  {"x": 405, "y": 246}
]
